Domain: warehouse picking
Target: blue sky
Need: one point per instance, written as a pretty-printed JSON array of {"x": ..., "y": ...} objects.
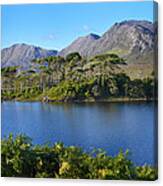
[{"x": 54, "y": 26}]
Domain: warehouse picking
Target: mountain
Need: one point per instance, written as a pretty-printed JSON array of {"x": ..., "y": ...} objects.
[
  {"x": 133, "y": 40},
  {"x": 23, "y": 54},
  {"x": 80, "y": 45}
]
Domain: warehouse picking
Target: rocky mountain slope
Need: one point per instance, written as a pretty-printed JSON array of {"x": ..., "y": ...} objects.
[
  {"x": 80, "y": 45},
  {"x": 134, "y": 40},
  {"x": 23, "y": 54}
]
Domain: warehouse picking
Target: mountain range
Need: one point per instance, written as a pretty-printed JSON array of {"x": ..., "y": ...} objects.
[{"x": 134, "y": 40}]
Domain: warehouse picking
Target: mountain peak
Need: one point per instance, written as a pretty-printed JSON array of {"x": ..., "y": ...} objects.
[
  {"x": 25, "y": 45},
  {"x": 80, "y": 45},
  {"x": 134, "y": 22},
  {"x": 133, "y": 39},
  {"x": 21, "y": 54},
  {"x": 147, "y": 25},
  {"x": 94, "y": 36}
]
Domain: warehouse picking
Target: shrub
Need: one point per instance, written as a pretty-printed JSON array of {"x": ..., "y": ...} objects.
[{"x": 19, "y": 158}]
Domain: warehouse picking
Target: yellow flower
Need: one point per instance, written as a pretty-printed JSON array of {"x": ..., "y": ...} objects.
[
  {"x": 58, "y": 146},
  {"x": 64, "y": 167},
  {"x": 102, "y": 172},
  {"x": 105, "y": 172}
]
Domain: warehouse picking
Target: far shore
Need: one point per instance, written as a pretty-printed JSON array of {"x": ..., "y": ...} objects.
[{"x": 90, "y": 100}]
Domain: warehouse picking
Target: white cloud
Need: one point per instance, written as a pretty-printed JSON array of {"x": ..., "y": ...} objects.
[
  {"x": 49, "y": 37},
  {"x": 86, "y": 28}
]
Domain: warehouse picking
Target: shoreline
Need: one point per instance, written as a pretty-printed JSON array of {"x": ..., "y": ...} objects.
[{"x": 109, "y": 100}]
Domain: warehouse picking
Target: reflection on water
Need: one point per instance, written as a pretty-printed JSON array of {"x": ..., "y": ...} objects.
[{"x": 110, "y": 126}]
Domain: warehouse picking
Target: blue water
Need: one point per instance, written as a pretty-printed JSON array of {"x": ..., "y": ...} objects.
[{"x": 111, "y": 126}]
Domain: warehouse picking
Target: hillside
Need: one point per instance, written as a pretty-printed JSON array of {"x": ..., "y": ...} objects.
[
  {"x": 133, "y": 40},
  {"x": 80, "y": 45},
  {"x": 23, "y": 54}
]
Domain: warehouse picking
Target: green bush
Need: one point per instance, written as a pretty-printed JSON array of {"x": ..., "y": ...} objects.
[
  {"x": 75, "y": 56},
  {"x": 19, "y": 158}
]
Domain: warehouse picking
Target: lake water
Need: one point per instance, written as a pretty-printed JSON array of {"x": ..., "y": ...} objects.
[{"x": 110, "y": 126}]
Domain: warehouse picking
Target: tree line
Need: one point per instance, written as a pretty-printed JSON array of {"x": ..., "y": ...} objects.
[{"x": 75, "y": 78}]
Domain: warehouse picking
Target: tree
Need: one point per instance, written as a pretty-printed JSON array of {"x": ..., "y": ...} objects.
[
  {"x": 148, "y": 85},
  {"x": 75, "y": 56},
  {"x": 122, "y": 81},
  {"x": 136, "y": 89}
]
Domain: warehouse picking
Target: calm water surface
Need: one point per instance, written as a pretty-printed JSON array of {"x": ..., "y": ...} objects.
[{"x": 110, "y": 126}]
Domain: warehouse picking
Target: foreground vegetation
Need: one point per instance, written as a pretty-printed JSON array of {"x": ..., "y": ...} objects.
[
  {"x": 19, "y": 158},
  {"x": 75, "y": 79}
]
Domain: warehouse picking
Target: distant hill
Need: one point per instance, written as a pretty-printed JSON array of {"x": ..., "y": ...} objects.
[
  {"x": 23, "y": 54},
  {"x": 80, "y": 45},
  {"x": 133, "y": 40}
]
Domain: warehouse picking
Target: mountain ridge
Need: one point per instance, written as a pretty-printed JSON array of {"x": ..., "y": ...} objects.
[
  {"x": 21, "y": 54},
  {"x": 80, "y": 44},
  {"x": 134, "y": 40}
]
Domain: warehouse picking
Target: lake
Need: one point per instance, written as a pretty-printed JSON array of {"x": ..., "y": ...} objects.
[{"x": 111, "y": 126}]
